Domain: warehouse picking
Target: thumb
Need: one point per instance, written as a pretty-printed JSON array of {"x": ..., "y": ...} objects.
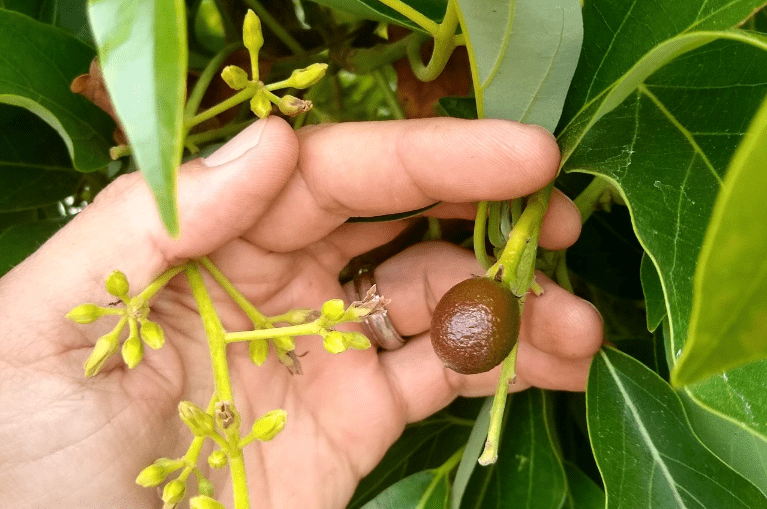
[{"x": 219, "y": 198}]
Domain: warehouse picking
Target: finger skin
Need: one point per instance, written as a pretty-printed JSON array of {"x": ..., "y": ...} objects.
[{"x": 375, "y": 168}]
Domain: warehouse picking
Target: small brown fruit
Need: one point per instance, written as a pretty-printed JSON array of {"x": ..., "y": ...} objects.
[{"x": 475, "y": 325}]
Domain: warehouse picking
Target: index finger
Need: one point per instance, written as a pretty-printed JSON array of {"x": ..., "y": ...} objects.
[{"x": 375, "y": 168}]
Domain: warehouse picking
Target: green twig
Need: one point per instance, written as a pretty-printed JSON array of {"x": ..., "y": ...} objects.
[
  {"x": 220, "y": 132},
  {"x": 388, "y": 93},
  {"x": 413, "y": 15},
  {"x": 591, "y": 199},
  {"x": 203, "y": 82},
  {"x": 156, "y": 285},
  {"x": 480, "y": 227},
  {"x": 305, "y": 329},
  {"x": 508, "y": 370},
  {"x": 258, "y": 318},
  {"x": 276, "y": 28},
  {"x": 239, "y": 97},
  {"x": 444, "y": 44}
]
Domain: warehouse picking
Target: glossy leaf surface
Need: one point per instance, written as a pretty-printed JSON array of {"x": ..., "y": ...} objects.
[
  {"x": 423, "y": 490},
  {"x": 528, "y": 46},
  {"x": 39, "y": 62},
  {"x": 653, "y": 293},
  {"x": 582, "y": 492},
  {"x": 645, "y": 448},
  {"x": 143, "y": 52},
  {"x": 375, "y": 10},
  {"x": 41, "y": 10},
  {"x": 728, "y": 326},
  {"x": 528, "y": 460},
  {"x": 20, "y": 240}
]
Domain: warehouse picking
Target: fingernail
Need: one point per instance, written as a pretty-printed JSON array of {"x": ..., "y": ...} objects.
[{"x": 237, "y": 146}]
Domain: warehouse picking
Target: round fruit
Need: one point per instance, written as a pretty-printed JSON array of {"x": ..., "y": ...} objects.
[{"x": 475, "y": 325}]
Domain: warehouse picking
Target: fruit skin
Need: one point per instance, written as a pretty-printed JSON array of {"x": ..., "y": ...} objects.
[{"x": 475, "y": 325}]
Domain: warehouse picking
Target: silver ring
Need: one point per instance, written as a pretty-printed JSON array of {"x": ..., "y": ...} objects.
[{"x": 378, "y": 328}]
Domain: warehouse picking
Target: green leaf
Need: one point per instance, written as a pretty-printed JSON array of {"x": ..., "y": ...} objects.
[
  {"x": 375, "y": 10},
  {"x": 41, "y": 10},
  {"x": 471, "y": 453},
  {"x": 20, "y": 240},
  {"x": 143, "y": 52},
  {"x": 71, "y": 16},
  {"x": 529, "y": 471},
  {"x": 728, "y": 326},
  {"x": 667, "y": 143},
  {"x": 38, "y": 64},
  {"x": 424, "y": 490},
  {"x": 583, "y": 492},
  {"x": 528, "y": 46},
  {"x": 653, "y": 293},
  {"x": 423, "y": 445},
  {"x": 645, "y": 449},
  {"x": 459, "y": 107},
  {"x": 35, "y": 169},
  {"x": 743, "y": 450},
  {"x": 619, "y": 34}
]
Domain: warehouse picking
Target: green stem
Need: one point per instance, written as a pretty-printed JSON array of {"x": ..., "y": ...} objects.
[
  {"x": 221, "y": 132},
  {"x": 214, "y": 329},
  {"x": 444, "y": 44},
  {"x": 156, "y": 285},
  {"x": 561, "y": 273},
  {"x": 275, "y": 26},
  {"x": 480, "y": 227},
  {"x": 508, "y": 369},
  {"x": 239, "y": 97},
  {"x": 590, "y": 199},
  {"x": 258, "y": 318},
  {"x": 388, "y": 93},
  {"x": 413, "y": 15},
  {"x": 365, "y": 60},
  {"x": 203, "y": 82},
  {"x": 305, "y": 329}
]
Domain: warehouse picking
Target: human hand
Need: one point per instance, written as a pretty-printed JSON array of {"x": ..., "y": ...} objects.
[{"x": 269, "y": 208}]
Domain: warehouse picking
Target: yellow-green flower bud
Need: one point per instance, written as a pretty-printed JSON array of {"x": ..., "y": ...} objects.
[
  {"x": 269, "y": 425},
  {"x": 305, "y": 78},
  {"x": 152, "y": 334},
  {"x": 252, "y": 36},
  {"x": 292, "y": 106},
  {"x": 173, "y": 492},
  {"x": 86, "y": 313},
  {"x": 218, "y": 459},
  {"x": 334, "y": 342},
  {"x": 299, "y": 316},
  {"x": 356, "y": 340},
  {"x": 155, "y": 474},
  {"x": 200, "y": 422},
  {"x": 105, "y": 347},
  {"x": 205, "y": 502},
  {"x": 260, "y": 105},
  {"x": 204, "y": 487},
  {"x": 117, "y": 284},
  {"x": 235, "y": 77},
  {"x": 259, "y": 350},
  {"x": 133, "y": 351},
  {"x": 285, "y": 343},
  {"x": 333, "y": 309}
]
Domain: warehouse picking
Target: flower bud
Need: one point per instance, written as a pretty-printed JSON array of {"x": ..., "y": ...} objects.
[
  {"x": 86, "y": 313},
  {"x": 260, "y": 105},
  {"x": 285, "y": 343},
  {"x": 334, "y": 342},
  {"x": 356, "y": 340},
  {"x": 305, "y": 78},
  {"x": 299, "y": 316},
  {"x": 269, "y": 425},
  {"x": 252, "y": 36},
  {"x": 235, "y": 77},
  {"x": 204, "y": 487},
  {"x": 152, "y": 334},
  {"x": 155, "y": 474},
  {"x": 333, "y": 310},
  {"x": 205, "y": 502},
  {"x": 105, "y": 347},
  {"x": 133, "y": 351},
  {"x": 292, "y": 106},
  {"x": 200, "y": 422},
  {"x": 218, "y": 459},
  {"x": 117, "y": 284},
  {"x": 259, "y": 350},
  {"x": 173, "y": 492}
]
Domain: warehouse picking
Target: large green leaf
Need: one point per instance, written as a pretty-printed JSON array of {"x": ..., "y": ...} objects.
[
  {"x": 583, "y": 493},
  {"x": 530, "y": 47},
  {"x": 35, "y": 169},
  {"x": 375, "y": 10},
  {"x": 619, "y": 34},
  {"x": 20, "y": 240},
  {"x": 423, "y": 490},
  {"x": 645, "y": 449},
  {"x": 143, "y": 52},
  {"x": 41, "y": 10},
  {"x": 728, "y": 326},
  {"x": 423, "y": 445},
  {"x": 743, "y": 450},
  {"x": 529, "y": 471},
  {"x": 37, "y": 64},
  {"x": 653, "y": 293}
]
